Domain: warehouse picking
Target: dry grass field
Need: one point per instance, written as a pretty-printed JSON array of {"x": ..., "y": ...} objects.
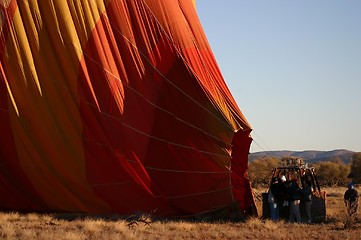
[{"x": 38, "y": 226}]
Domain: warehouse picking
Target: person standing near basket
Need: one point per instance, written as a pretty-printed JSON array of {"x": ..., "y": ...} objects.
[
  {"x": 351, "y": 201},
  {"x": 273, "y": 199},
  {"x": 294, "y": 201},
  {"x": 307, "y": 199}
]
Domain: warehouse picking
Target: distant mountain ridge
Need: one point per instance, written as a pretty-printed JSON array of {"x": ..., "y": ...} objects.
[{"x": 309, "y": 156}]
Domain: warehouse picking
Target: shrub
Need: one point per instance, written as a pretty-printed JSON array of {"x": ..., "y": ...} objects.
[{"x": 260, "y": 170}]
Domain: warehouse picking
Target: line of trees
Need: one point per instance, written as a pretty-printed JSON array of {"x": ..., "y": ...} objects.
[{"x": 329, "y": 173}]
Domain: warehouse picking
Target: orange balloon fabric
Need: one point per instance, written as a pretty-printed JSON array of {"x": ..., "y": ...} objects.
[{"x": 116, "y": 107}]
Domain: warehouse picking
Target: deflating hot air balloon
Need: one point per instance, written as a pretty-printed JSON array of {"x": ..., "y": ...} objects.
[{"x": 116, "y": 106}]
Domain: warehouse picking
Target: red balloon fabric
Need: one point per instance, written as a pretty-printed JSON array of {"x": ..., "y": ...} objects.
[{"x": 117, "y": 107}]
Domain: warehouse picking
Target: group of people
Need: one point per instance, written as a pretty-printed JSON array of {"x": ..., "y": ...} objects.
[{"x": 286, "y": 195}]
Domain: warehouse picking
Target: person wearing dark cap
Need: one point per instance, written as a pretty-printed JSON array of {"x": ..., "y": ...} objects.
[{"x": 351, "y": 201}]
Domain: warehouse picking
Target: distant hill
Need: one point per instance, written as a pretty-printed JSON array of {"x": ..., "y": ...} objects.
[{"x": 309, "y": 156}]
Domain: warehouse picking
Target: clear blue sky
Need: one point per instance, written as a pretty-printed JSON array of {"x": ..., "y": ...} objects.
[{"x": 294, "y": 68}]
